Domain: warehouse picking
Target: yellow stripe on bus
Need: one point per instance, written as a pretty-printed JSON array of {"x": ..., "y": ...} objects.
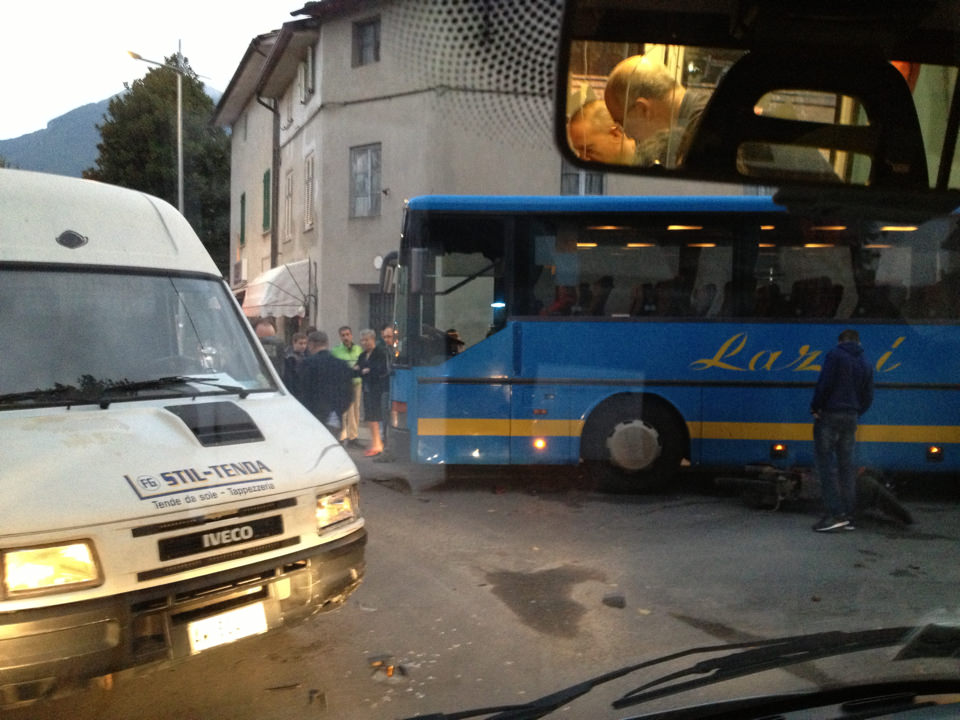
[
  {"x": 774, "y": 432},
  {"x": 502, "y": 427},
  {"x": 804, "y": 431}
]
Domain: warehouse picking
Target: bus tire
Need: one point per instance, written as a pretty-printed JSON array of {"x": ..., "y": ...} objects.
[{"x": 632, "y": 443}]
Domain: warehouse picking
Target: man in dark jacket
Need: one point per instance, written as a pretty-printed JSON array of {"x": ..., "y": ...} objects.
[
  {"x": 326, "y": 383},
  {"x": 843, "y": 393}
]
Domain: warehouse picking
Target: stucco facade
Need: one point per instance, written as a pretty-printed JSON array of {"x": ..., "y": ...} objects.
[{"x": 330, "y": 103}]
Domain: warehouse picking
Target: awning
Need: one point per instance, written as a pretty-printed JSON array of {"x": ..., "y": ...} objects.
[{"x": 281, "y": 291}]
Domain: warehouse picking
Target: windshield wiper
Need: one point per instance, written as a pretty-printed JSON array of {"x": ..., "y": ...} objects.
[
  {"x": 163, "y": 382},
  {"x": 763, "y": 655},
  {"x": 57, "y": 392},
  {"x": 751, "y": 657}
]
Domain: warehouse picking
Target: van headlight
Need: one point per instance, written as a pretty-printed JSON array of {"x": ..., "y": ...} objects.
[
  {"x": 49, "y": 569},
  {"x": 337, "y": 507}
]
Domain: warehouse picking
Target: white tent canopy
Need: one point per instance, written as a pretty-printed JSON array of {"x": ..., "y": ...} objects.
[{"x": 281, "y": 291}]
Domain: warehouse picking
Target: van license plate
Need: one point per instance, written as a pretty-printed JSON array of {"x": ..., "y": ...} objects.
[{"x": 226, "y": 627}]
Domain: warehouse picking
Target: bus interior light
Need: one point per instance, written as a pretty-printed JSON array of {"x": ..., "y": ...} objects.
[
  {"x": 498, "y": 304},
  {"x": 778, "y": 450},
  {"x": 935, "y": 453},
  {"x": 684, "y": 227},
  {"x": 586, "y": 244}
]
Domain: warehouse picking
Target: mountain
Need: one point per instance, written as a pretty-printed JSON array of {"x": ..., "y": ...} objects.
[{"x": 67, "y": 146}]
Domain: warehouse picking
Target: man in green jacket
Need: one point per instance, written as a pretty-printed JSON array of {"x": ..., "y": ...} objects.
[{"x": 348, "y": 351}]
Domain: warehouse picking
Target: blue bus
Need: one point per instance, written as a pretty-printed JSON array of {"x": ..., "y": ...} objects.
[{"x": 641, "y": 334}]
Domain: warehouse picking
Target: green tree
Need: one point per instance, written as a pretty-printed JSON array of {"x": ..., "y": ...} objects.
[{"x": 138, "y": 150}]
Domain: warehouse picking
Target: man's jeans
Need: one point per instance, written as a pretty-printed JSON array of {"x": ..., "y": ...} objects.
[{"x": 834, "y": 434}]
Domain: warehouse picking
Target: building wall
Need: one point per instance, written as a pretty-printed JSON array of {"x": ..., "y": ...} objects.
[
  {"x": 430, "y": 142},
  {"x": 250, "y": 157}
]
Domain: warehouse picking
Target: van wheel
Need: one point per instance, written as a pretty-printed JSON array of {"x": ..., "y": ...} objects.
[{"x": 632, "y": 443}]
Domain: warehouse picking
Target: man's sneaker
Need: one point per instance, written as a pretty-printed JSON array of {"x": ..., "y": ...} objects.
[
  {"x": 850, "y": 525},
  {"x": 828, "y": 524}
]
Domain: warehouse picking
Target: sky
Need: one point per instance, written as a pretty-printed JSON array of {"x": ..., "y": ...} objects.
[{"x": 63, "y": 54}]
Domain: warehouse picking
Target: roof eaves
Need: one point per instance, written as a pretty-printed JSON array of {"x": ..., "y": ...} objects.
[
  {"x": 279, "y": 69},
  {"x": 241, "y": 86}
]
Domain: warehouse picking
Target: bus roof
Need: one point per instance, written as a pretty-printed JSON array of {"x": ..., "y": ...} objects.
[
  {"x": 55, "y": 219},
  {"x": 593, "y": 203}
]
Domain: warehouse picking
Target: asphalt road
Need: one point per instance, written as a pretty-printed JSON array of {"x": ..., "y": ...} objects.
[{"x": 491, "y": 587}]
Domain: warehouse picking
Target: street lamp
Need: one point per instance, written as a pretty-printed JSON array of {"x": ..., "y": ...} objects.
[{"x": 178, "y": 69}]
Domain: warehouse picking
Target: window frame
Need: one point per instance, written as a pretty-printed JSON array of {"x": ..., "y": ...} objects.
[
  {"x": 309, "y": 178},
  {"x": 288, "y": 206},
  {"x": 584, "y": 179},
  {"x": 266, "y": 222},
  {"x": 372, "y": 185},
  {"x": 361, "y": 52}
]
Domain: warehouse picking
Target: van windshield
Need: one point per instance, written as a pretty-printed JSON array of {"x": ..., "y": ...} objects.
[{"x": 77, "y": 333}]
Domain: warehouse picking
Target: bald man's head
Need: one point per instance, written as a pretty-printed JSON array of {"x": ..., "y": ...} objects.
[
  {"x": 594, "y": 135},
  {"x": 641, "y": 96}
]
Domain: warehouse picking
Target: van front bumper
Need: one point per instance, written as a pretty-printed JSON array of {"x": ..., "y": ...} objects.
[{"x": 51, "y": 650}]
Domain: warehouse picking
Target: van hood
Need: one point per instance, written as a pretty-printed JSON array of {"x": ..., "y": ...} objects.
[{"x": 80, "y": 466}]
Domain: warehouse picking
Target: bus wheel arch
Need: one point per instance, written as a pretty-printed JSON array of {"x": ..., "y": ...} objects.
[{"x": 634, "y": 442}]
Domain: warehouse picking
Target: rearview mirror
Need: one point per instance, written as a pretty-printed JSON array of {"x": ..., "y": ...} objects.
[{"x": 823, "y": 97}]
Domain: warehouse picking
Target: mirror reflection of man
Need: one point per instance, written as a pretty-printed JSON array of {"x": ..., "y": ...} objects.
[
  {"x": 596, "y": 136},
  {"x": 652, "y": 107}
]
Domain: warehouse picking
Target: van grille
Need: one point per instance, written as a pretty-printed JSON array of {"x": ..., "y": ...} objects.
[
  {"x": 224, "y": 557},
  {"x": 170, "y": 526}
]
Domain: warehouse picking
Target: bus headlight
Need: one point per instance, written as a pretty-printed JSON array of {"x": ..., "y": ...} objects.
[
  {"x": 337, "y": 507},
  {"x": 51, "y": 568}
]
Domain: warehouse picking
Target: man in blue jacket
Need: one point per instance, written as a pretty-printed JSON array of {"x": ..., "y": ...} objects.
[
  {"x": 843, "y": 393},
  {"x": 326, "y": 384}
]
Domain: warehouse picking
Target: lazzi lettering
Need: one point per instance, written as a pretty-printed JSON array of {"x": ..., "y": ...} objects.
[{"x": 735, "y": 355}]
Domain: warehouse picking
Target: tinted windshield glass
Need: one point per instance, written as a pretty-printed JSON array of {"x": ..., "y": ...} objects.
[{"x": 123, "y": 327}]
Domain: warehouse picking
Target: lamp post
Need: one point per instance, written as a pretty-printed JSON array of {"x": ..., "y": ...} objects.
[{"x": 178, "y": 69}]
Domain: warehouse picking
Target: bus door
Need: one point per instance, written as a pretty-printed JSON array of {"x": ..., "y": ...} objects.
[{"x": 462, "y": 403}]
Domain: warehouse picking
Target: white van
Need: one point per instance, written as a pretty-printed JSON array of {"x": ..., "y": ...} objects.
[{"x": 161, "y": 493}]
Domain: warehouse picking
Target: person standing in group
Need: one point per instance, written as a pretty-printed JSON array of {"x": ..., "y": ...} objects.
[
  {"x": 267, "y": 333},
  {"x": 326, "y": 384},
  {"x": 389, "y": 336},
  {"x": 844, "y": 391},
  {"x": 374, "y": 370},
  {"x": 348, "y": 352},
  {"x": 294, "y": 357}
]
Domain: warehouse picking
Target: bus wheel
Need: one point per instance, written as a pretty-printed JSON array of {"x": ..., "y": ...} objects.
[{"x": 632, "y": 444}]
